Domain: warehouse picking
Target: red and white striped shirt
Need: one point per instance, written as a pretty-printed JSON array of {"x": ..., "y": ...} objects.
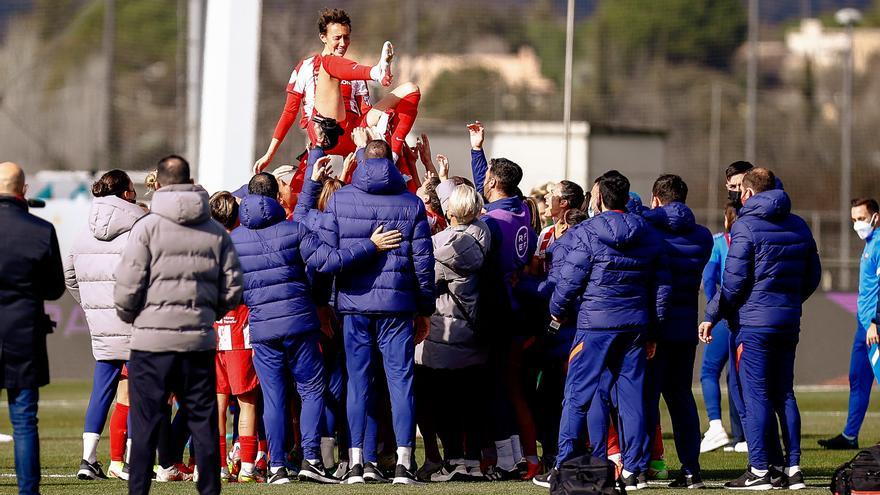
[
  {"x": 304, "y": 79},
  {"x": 233, "y": 331}
]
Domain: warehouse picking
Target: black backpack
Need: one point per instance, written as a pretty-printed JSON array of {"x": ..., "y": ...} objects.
[
  {"x": 585, "y": 475},
  {"x": 860, "y": 476}
]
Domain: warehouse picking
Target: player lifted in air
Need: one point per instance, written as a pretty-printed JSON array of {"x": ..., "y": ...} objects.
[{"x": 333, "y": 97}]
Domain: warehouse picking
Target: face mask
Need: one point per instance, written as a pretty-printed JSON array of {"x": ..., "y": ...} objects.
[
  {"x": 863, "y": 228},
  {"x": 591, "y": 212},
  {"x": 735, "y": 196}
]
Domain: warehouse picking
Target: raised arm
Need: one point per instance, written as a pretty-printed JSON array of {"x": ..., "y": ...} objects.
[{"x": 479, "y": 165}]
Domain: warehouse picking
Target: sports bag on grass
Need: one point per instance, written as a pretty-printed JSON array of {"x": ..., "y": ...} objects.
[
  {"x": 585, "y": 475},
  {"x": 860, "y": 476}
]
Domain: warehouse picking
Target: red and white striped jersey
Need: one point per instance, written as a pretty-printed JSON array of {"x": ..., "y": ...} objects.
[
  {"x": 303, "y": 81},
  {"x": 233, "y": 331}
]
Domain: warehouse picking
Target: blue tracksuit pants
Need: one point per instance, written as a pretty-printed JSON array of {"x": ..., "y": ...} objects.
[
  {"x": 670, "y": 374},
  {"x": 394, "y": 336},
  {"x": 766, "y": 373},
  {"x": 104, "y": 383},
  {"x": 861, "y": 379},
  {"x": 715, "y": 356},
  {"x": 593, "y": 352},
  {"x": 297, "y": 359}
]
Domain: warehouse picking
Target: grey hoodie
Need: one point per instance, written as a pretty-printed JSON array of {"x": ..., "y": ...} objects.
[
  {"x": 90, "y": 273},
  {"x": 459, "y": 253},
  {"x": 179, "y": 273}
]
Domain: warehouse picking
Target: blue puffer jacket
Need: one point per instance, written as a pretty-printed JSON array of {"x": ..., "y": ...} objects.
[
  {"x": 618, "y": 266},
  {"x": 400, "y": 281},
  {"x": 688, "y": 247},
  {"x": 272, "y": 251},
  {"x": 772, "y": 267}
]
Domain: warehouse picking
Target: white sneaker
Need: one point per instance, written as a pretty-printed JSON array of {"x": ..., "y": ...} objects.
[
  {"x": 164, "y": 475},
  {"x": 741, "y": 447},
  {"x": 715, "y": 438},
  {"x": 4, "y": 438},
  {"x": 118, "y": 469}
]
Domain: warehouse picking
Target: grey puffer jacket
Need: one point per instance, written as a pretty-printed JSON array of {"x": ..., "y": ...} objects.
[
  {"x": 179, "y": 273},
  {"x": 459, "y": 253},
  {"x": 90, "y": 274}
]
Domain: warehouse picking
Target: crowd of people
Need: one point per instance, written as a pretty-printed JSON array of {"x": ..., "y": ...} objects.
[{"x": 331, "y": 315}]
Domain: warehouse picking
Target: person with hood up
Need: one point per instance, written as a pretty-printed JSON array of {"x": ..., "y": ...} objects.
[
  {"x": 772, "y": 268},
  {"x": 670, "y": 371},
  {"x": 283, "y": 320},
  {"x": 179, "y": 273},
  {"x": 90, "y": 273},
  {"x": 380, "y": 298},
  {"x": 615, "y": 281}
]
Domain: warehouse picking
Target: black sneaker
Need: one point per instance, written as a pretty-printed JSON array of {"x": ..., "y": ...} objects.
[
  {"x": 427, "y": 470},
  {"x": 543, "y": 480},
  {"x": 495, "y": 473},
  {"x": 354, "y": 475},
  {"x": 631, "y": 482},
  {"x": 689, "y": 481},
  {"x": 796, "y": 481},
  {"x": 642, "y": 480},
  {"x": 778, "y": 478},
  {"x": 280, "y": 477},
  {"x": 373, "y": 474},
  {"x": 750, "y": 481},
  {"x": 315, "y": 472},
  {"x": 90, "y": 471},
  {"x": 405, "y": 476},
  {"x": 448, "y": 472},
  {"x": 839, "y": 442}
]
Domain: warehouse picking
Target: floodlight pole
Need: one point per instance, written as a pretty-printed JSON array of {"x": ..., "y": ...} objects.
[{"x": 566, "y": 111}]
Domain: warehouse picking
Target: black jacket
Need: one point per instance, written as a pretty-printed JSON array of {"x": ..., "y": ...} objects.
[{"x": 30, "y": 273}]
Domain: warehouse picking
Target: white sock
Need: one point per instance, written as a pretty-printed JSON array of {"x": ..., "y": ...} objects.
[
  {"x": 247, "y": 467},
  {"x": 504, "y": 451},
  {"x": 127, "y": 449},
  {"x": 759, "y": 472},
  {"x": 517, "y": 448},
  {"x": 355, "y": 456},
  {"x": 404, "y": 456},
  {"x": 90, "y": 447},
  {"x": 792, "y": 470},
  {"x": 376, "y": 73},
  {"x": 328, "y": 449},
  {"x": 313, "y": 462},
  {"x": 715, "y": 424},
  {"x": 624, "y": 473},
  {"x": 274, "y": 469}
]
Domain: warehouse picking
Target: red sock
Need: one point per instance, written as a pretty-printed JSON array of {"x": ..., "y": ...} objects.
[
  {"x": 248, "y": 449},
  {"x": 613, "y": 440},
  {"x": 657, "y": 445},
  {"x": 345, "y": 69},
  {"x": 118, "y": 432},
  {"x": 404, "y": 117},
  {"x": 263, "y": 445},
  {"x": 222, "y": 437}
]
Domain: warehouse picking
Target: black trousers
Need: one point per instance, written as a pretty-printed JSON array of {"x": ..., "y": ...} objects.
[{"x": 152, "y": 378}]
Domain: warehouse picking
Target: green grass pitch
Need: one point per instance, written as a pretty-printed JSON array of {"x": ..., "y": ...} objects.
[{"x": 63, "y": 407}]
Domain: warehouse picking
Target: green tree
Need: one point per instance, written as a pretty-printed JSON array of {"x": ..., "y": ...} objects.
[{"x": 706, "y": 32}]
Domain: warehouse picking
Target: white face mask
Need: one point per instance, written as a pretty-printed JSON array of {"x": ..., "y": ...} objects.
[
  {"x": 591, "y": 212},
  {"x": 863, "y": 228}
]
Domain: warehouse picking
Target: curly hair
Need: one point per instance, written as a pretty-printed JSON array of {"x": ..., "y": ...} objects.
[{"x": 332, "y": 16}]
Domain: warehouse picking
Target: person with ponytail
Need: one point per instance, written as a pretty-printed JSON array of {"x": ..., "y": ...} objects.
[{"x": 89, "y": 272}]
